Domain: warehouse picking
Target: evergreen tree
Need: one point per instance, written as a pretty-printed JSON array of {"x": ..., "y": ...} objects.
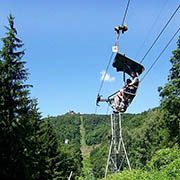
[
  {"x": 49, "y": 161},
  {"x": 28, "y": 146},
  {"x": 170, "y": 101},
  {"x": 14, "y": 106},
  {"x": 33, "y": 151}
]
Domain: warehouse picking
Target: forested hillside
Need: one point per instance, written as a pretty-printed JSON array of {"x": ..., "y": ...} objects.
[
  {"x": 67, "y": 128},
  {"x": 146, "y": 139},
  {"x": 143, "y": 134}
]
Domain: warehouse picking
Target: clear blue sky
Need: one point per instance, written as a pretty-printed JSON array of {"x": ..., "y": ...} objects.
[{"x": 68, "y": 45}]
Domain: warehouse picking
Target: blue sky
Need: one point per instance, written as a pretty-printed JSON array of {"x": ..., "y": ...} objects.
[{"x": 68, "y": 45}]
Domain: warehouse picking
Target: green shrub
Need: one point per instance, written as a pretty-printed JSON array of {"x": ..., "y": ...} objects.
[
  {"x": 139, "y": 175},
  {"x": 173, "y": 169},
  {"x": 163, "y": 158}
]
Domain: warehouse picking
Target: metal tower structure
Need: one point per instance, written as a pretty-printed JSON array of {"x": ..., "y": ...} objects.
[{"x": 117, "y": 157}]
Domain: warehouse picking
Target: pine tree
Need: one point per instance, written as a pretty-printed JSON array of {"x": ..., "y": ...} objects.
[
  {"x": 14, "y": 107},
  {"x": 50, "y": 163},
  {"x": 28, "y": 145},
  {"x": 170, "y": 94},
  {"x": 32, "y": 136}
]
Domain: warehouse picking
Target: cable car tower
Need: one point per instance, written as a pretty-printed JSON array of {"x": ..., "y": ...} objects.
[{"x": 117, "y": 156}]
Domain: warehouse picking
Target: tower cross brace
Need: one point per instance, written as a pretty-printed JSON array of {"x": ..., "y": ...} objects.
[{"x": 117, "y": 155}]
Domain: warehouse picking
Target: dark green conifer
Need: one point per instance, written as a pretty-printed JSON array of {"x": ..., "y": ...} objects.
[
  {"x": 14, "y": 106},
  {"x": 49, "y": 154}
]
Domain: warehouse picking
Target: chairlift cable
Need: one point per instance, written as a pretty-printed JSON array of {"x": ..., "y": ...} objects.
[
  {"x": 125, "y": 13},
  {"x": 102, "y": 82},
  {"x": 160, "y": 33},
  {"x": 110, "y": 59},
  {"x": 150, "y": 29},
  {"x": 160, "y": 54},
  {"x": 124, "y": 17}
]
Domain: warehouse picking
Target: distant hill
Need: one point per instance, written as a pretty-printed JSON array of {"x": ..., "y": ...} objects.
[{"x": 144, "y": 134}]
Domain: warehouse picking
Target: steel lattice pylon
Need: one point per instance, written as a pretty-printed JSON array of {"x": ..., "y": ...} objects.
[{"x": 117, "y": 157}]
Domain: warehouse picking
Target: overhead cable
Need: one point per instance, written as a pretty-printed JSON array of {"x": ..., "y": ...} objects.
[
  {"x": 160, "y": 54},
  {"x": 160, "y": 33},
  {"x": 125, "y": 13},
  {"x": 110, "y": 59},
  {"x": 102, "y": 82},
  {"x": 152, "y": 26}
]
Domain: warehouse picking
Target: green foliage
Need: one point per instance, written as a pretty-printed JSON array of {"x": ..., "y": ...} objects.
[
  {"x": 14, "y": 109},
  {"x": 28, "y": 146},
  {"x": 143, "y": 134},
  {"x": 129, "y": 175},
  {"x": 162, "y": 158},
  {"x": 132, "y": 122},
  {"x": 173, "y": 169},
  {"x": 98, "y": 159},
  {"x": 97, "y": 128},
  {"x": 164, "y": 165},
  {"x": 143, "y": 140},
  {"x": 138, "y": 174},
  {"x": 87, "y": 169},
  {"x": 87, "y": 166},
  {"x": 67, "y": 128},
  {"x": 170, "y": 102},
  {"x": 49, "y": 156}
]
